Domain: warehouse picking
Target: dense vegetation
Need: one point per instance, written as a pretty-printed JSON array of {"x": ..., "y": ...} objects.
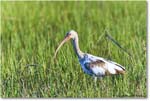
[{"x": 31, "y": 31}]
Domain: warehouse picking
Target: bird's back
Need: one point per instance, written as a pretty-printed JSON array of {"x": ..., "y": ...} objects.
[{"x": 98, "y": 66}]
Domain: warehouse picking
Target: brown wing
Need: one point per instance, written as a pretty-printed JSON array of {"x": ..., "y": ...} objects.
[
  {"x": 97, "y": 63},
  {"x": 102, "y": 64}
]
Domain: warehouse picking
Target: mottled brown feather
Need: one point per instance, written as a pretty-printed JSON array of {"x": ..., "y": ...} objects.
[
  {"x": 120, "y": 66},
  {"x": 99, "y": 63},
  {"x": 120, "y": 71}
]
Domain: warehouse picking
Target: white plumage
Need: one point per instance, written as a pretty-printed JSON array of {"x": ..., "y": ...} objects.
[
  {"x": 92, "y": 65},
  {"x": 101, "y": 66}
]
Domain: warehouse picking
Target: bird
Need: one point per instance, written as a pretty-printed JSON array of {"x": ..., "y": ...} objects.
[{"x": 95, "y": 66}]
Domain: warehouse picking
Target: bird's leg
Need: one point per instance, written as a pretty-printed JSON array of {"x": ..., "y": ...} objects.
[
  {"x": 101, "y": 80},
  {"x": 94, "y": 77},
  {"x": 95, "y": 80}
]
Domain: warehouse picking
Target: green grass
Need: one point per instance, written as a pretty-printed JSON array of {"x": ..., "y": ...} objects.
[{"x": 31, "y": 31}]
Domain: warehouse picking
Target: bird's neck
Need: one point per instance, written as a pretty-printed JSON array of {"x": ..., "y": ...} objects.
[{"x": 77, "y": 49}]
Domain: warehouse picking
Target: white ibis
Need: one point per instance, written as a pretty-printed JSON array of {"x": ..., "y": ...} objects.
[{"x": 92, "y": 65}]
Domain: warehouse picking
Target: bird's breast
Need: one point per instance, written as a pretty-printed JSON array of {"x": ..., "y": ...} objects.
[{"x": 85, "y": 69}]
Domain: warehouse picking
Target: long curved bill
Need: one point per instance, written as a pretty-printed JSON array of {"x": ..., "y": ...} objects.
[{"x": 65, "y": 40}]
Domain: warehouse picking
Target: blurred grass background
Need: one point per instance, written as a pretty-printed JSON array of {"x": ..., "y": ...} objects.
[{"x": 31, "y": 31}]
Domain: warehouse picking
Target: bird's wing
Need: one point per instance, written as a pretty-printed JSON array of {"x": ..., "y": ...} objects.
[{"x": 100, "y": 66}]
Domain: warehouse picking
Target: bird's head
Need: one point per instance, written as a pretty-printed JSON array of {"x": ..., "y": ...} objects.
[{"x": 70, "y": 35}]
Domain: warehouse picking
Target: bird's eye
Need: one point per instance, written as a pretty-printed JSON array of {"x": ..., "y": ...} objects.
[{"x": 67, "y": 33}]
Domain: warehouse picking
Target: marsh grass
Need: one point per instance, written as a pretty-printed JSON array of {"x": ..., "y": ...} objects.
[{"x": 31, "y": 31}]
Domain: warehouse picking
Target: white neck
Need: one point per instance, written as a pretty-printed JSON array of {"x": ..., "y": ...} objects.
[{"x": 76, "y": 47}]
